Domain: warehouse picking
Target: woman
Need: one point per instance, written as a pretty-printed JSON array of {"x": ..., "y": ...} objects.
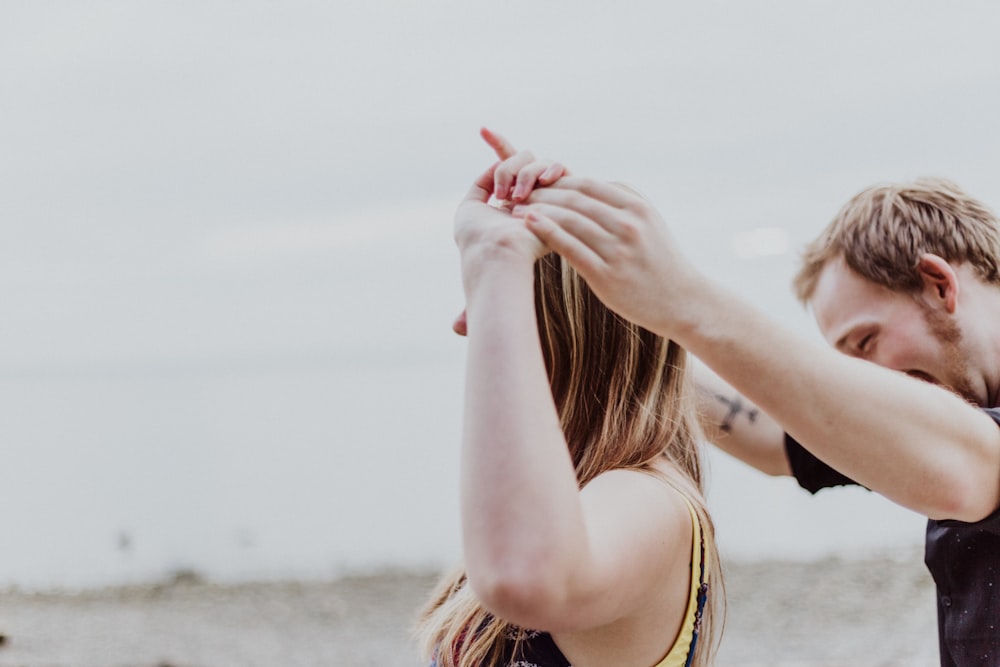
[{"x": 585, "y": 534}]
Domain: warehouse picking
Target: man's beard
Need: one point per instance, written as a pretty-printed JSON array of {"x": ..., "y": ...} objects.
[{"x": 946, "y": 330}]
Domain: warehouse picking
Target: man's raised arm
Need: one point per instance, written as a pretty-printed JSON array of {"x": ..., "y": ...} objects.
[{"x": 919, "y": 445}]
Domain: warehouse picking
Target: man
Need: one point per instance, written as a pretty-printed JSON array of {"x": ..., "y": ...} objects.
[{"x": 905, "y": 277}]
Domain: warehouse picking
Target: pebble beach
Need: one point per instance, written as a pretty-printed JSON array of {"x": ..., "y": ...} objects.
[{"x": 827, "y": 613}]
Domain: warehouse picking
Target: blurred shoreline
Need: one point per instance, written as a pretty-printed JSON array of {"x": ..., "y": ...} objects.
[{"x": 831, "y": 612}]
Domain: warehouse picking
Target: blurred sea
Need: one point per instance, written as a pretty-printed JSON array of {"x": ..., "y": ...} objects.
[
  {"x": 305, "y": 463},
  {"x": 308, "y": 470}
]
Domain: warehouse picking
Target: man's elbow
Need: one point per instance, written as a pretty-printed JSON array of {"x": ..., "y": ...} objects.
[
  {"x": 964, "y": 500},
  {"x": 773, "y": 463},
  {"x": 776, "y": 467},
  {"x": 770, "y": 464}
]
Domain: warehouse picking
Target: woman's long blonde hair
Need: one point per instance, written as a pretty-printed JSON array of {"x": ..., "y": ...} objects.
[{"x": 624, "y": 400}]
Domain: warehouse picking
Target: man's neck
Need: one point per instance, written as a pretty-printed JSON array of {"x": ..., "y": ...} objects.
[{"x": 982, "y": 323}]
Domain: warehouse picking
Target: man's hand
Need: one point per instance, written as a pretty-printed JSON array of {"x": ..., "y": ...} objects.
[{"x": 622, "y": 248}]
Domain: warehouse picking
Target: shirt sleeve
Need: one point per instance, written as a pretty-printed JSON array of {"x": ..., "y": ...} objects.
[{"x": 811, "y": 473}]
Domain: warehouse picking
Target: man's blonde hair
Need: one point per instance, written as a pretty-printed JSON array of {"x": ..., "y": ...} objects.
[{"x": 882, "y": 232}]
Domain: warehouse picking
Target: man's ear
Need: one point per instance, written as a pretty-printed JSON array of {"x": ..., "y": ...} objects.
[{"x": 940, "y": 282}]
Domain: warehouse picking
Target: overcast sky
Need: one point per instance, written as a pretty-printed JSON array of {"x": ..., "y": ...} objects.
[{"x": 183, "y": 179}]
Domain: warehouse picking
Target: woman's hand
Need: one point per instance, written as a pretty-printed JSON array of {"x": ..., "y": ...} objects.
[
  {"x": 519, "y": 172},
  {"x": 509, "y": 182},
  {"x": 483, "y": 231}
]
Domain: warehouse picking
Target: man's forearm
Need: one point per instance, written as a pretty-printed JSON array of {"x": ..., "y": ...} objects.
[{"x": 915, "y": 443}]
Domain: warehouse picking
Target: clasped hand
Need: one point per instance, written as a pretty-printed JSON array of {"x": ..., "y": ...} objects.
[
  {"x": 483, "y": 230},
  {"x": 609, "y": 233}
]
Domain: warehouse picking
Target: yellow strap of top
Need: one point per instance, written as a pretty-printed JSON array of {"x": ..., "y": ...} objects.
[{"x": 678, "y": 654}]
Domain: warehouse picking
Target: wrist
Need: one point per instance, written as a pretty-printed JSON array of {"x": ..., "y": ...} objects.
[
  {"x": 501, "y": 260},
  {"x": 692, "y": 314},
  {"x": 714, "y": 319}
]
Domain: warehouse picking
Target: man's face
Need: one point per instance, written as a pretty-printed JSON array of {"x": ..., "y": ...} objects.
[{"x": 892, "y": 329}]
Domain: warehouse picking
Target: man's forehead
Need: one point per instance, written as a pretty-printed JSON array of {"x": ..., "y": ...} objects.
[{"x": 841, "y": 300}]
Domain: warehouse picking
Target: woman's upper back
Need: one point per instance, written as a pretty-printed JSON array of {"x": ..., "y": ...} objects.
[{"x": 660, "y": 633}]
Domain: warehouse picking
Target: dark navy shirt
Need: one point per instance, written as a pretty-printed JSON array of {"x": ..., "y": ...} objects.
[
  {"x": 538, "y": 650},
  {"x": 964, "y": 559}
]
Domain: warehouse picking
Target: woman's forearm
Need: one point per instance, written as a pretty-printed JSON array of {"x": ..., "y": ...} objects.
[{"x": 521, "y": 514}]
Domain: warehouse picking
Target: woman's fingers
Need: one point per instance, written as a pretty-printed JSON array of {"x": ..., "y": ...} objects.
[
  {"x": 539, "y": 172},
  {"x": 527, "y": 177},
  {"x": 518, "y": 176},
  {"x": 553, "y": 173},
  {"x": 506, "y": 174},
  {"x": 483, "y": 187},
  {"x": 503, "y": 148}
]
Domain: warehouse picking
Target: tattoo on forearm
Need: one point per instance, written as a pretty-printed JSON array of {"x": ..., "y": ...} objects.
[{"x": 736, "y": 408}]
